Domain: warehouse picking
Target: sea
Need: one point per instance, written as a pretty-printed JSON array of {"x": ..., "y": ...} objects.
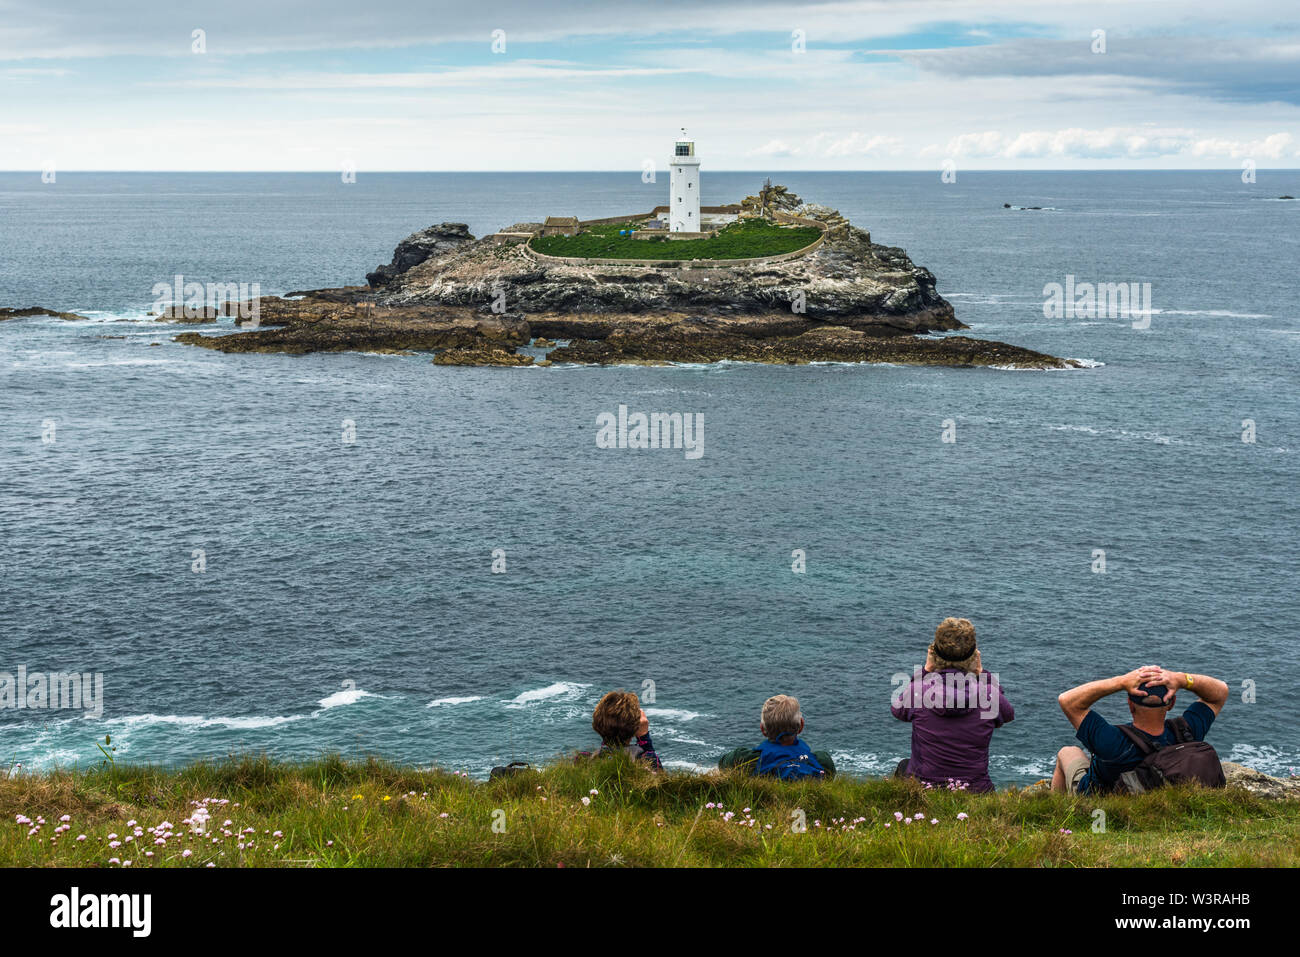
[{"x": 371, "y": 555}]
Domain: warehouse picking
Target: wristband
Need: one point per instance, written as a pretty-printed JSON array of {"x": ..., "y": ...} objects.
[{"x": 1189, "y": 678}]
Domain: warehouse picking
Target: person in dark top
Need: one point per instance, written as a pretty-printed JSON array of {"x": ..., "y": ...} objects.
[
  {"x": 1150, "y": 691},
  {"x": 783, "y": 754},
  {"x": 954, "y": 706},
  {"x": 624, "y": 727}
]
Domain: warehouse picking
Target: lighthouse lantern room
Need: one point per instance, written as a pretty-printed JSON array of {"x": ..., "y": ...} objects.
[{"x": 684, "y": 188}]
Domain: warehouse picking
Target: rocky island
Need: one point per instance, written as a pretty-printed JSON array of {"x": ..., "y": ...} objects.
[{"x": 839, "y": 297}]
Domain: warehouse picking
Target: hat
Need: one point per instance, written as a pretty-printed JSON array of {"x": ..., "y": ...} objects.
[
  {"x": 954, "y": 646},
  {"x": 1145, "y": 691}
]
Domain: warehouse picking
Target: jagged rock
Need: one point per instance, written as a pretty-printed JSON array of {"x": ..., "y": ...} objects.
[
  {"x": 37, "y": 311},
  {"x": 481, "y": 355},
  {"x": 714, "y": 341},
  {"x": 1259, "y": 783},
  {"x": 190, "y": 314},
  {"x": 778, "y": 197},
  {"x": 541, "y": 342},
  {"x": 308, "y": 325},
  {"x": 434, "y": 242}
]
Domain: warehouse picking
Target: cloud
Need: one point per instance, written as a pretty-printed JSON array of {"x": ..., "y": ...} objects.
[
  {"x": 832, "y": 145},
  {"x": 1112, "y": 143},
  {"x": 1233, "y": 69}
]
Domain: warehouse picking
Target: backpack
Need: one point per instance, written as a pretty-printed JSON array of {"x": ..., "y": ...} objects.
[
  {"x": 1185, "y": 760},
  {"x": 789, "y": 762},
  {"x": 509, "y": 770}
]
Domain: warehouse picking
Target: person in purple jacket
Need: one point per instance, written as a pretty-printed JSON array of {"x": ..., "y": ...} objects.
[{"x": 954, "y": 706}]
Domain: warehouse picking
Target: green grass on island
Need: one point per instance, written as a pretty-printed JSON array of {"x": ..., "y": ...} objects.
[
  {"x": 744, "y": 239},
  {"x": 254, "y": 812}
]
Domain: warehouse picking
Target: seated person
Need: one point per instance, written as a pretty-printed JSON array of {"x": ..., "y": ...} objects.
[
  {"x": 954, "y": 706},
  {"x": 783, "y": 754},
  {"x": 1150, "y": 694},
  {"x": 624, "y": 727}
]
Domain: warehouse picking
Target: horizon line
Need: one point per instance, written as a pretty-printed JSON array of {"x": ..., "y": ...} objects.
[{"x": 1051, "y": 169}]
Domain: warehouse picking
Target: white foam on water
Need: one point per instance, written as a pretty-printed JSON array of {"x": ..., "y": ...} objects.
[
  {"x": 345, "y": 697},
  {"x": 248, "y": 723},
  {"x": 119, "y": 362},
  {"x": 560, "y": 689},
  {"x": 864, "y": 762},
  {"x": 681, "y": 738},
  {"x": 1156, "y": 437},
  {"x": 671, "y": 714},
  {"x": 440, "y": 702},
  {"x": 1266, "y": 758},
  {"x": 1086, "y": 363},
  {"x": 1220, "y": 313},
  {"x": 689, "y": 766}
]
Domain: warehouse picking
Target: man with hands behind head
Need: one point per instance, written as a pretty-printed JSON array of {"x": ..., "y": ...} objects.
[{"x": 1151, "y": 693}]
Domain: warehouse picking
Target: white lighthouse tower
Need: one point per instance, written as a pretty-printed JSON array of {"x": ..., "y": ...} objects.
[{"x": 684, "y": 187}]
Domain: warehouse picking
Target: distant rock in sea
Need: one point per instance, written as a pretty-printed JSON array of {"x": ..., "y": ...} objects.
[{"x": 37, "y": 311}]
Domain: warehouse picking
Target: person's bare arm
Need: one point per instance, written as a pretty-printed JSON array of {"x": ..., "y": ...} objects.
[
  {"x": 1077, "y": 702},
  {"x": 1212, "y": 691}
]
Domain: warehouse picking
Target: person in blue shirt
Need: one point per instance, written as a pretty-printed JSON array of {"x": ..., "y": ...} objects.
[
  {"x": 783, "y": 754},
  {"x": 1151, "y": 693}
]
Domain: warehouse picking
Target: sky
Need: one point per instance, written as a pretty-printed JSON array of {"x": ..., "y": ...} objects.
[{"x": 391, "y": 85}]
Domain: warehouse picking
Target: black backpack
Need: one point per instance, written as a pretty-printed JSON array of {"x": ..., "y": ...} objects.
[
  {"x": 509, "y": 770},
  {"x": 1185, "y": 760}
]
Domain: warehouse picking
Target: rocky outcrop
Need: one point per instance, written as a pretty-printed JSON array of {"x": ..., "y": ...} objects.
[
  {"x": 1259, "y": 783},
  {"x": 435, "y": 243},
  {"x": 37, "y": 311},
  {"x": 189, "y": 314},
  {"x": 474, "y": 301},
  {"x": 309, "y": 325},
  {"x": 712, "y": 341},
  {"x": 482, "y": 355},
  {"x": 847, "y": 280}
]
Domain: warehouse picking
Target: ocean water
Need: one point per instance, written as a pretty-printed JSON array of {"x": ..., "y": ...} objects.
[{"x": 348, "y": 601}]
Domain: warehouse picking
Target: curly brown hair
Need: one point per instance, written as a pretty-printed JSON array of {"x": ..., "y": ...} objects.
[{"x": 617, "y": 717}]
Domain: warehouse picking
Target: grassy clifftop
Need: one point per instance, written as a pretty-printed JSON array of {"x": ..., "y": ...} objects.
[
  {"x": 744, "y": 239},
  {"x": 257, "y": 812}
]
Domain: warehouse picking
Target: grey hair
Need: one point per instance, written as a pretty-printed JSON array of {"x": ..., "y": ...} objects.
[{"x": 781, "y": 716}]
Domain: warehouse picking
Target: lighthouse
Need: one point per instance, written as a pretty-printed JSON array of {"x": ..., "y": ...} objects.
[{"x": 684, "y": 187}]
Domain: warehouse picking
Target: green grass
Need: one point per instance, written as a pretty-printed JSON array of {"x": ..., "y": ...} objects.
[
  {"x": 743, "y": 239},
  {"x": 333, "y": 813}
]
